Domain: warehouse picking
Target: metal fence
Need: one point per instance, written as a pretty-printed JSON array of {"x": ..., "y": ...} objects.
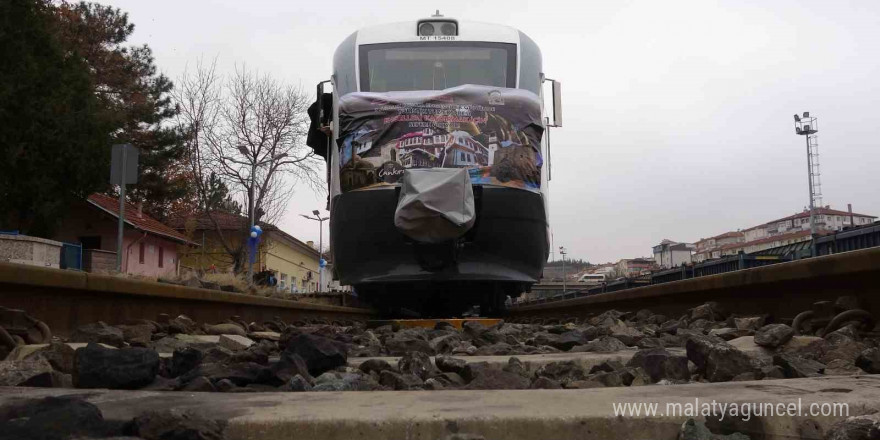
[
  {"x": 71, "y": 256},
  {"x": 841, "y": 241}
]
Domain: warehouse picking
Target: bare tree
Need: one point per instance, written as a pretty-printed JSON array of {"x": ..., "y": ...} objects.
[{"x": 249, "y": 131}]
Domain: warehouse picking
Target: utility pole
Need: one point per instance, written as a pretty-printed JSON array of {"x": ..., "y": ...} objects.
[
  {"x": 123, "y": 170},
  {"x": 807, "y": 126}
]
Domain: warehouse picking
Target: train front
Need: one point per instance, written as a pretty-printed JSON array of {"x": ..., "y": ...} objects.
[{"x": 437, "y": 177}]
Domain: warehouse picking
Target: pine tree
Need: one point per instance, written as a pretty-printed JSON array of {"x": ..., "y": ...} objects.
[{"x": 54, "y": 142}]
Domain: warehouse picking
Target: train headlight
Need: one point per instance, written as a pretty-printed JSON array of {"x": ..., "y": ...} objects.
[
  {"x": 426, "y": 29},
  {"x": 446, "y": 28}
]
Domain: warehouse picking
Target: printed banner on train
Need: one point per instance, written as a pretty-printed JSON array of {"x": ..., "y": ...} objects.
[{"x": 493, "y": 132}]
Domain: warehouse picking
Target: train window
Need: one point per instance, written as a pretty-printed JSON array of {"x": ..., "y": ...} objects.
[{"x": 436, "y": 66}]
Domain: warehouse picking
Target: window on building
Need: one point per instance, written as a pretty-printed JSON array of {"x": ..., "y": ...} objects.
[
  {"x": 161, "y": 256},
  {"x": 141, "y": 253},
  {"x": 282, "y": 284}
]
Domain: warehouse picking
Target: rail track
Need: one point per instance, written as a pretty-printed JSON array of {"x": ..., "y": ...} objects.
[
  {"x": 64, "y": 300},
  {"x": 783, "y": 290}
]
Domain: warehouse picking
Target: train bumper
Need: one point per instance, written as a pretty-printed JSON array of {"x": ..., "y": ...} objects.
[{"x": 508, "y": 242}]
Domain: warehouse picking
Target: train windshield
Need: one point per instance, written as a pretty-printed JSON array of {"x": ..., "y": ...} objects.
[{"x": 436, "y": 66}]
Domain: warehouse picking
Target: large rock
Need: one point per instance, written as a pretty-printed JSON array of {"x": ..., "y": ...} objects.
[
  {"x": 869, "y": 360},
  {"x": 418, "y": 363},
  {"x": 127, "y": 368},
  {"x": 545, "y": 383},
  {"x": 865, "y": 427},
  {"x": 697, "y": 430},
  {"x": 400, "y": 382},
  {"x": 773, "y": 335},
  {"x": 497, "y": 349},
  {"x": 571, "y": 338},
  {"x": 726, "y": 362},
  {"x": 450, "y": 364},
  {"x": 599, "y": 380},
  {"x": 710, "y": 311},
  {"x": 320, "y": 354},
  {"x": 138, "y": 334},
  {"x": 602, "y": 344},
  {"x": 98, "y": 332},
  {"x": 241, "y": 374},
  {"x": 624, "y": 333},
  {"x": 660, "y": 364},
  {"x": 563, "y": 371},
  {"x": 749, "y": 322},
  {"x": 58, "y": 354},
  {"x": 377, "y": 365},
  {"x": 717, "y": 360},
  {"x": 336, "y": 381},
  {"x": 184, "y": 360},
  {"x": 483, "y": 376},
  {"x": 401, "y": 344},
  {"x": 796, "y": 367},
  {"x": 53, "y": 418},
  {"x": 444, "y": 343},
  {"x": 14, "y": 373},
  {"x": 177, "y": 425},
  {"x": 290, "y": 365}
]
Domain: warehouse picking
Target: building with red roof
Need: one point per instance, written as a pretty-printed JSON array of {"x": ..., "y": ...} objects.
[{"x": 149, "y": 246}]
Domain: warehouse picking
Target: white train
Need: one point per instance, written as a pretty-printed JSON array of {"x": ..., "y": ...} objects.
[{"x": 438, "y": 163}]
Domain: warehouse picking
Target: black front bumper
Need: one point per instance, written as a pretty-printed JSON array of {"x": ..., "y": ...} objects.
[{"x": 508, "y": 242}]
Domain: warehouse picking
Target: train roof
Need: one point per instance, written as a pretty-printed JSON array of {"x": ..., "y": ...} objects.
[{"x": 406, "y": 31}]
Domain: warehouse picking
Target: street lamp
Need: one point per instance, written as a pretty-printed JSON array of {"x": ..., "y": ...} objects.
[
  {"x": 562, "y": 252},
  {"x": 320, "y": 221},
  {"x": 807, "y": 126}
]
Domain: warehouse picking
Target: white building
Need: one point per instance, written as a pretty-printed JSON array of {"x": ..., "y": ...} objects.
[
  {"x": 780, "y": 232},
  {"x": 669, "y": 254}
]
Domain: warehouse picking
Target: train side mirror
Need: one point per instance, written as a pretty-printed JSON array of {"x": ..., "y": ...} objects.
[{"x": 557, "y": 103}]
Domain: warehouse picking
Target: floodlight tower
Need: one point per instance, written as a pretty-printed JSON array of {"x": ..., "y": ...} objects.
[{"x": 807, "y": 126}]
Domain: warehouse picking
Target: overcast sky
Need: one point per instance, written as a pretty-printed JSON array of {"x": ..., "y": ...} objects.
[{"x": 678, "y": 114}]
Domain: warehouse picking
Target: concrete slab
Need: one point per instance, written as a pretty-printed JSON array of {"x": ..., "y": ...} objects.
[
  {"x": 271, "y": 336},
  {"x": 509, "y": 415},
  {"x": 198, "y": 339},
  {"x": 235, "y": 342},
  {"x": 588, "y": 360}
]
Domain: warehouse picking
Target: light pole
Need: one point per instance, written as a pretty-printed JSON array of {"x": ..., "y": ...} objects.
[
  {"x": 320, "y": 221},
  {"x": 807, "y": 126},
  {"x": 562, "y": 252}
]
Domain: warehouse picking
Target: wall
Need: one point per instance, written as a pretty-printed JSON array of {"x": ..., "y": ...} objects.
[
  {"x": 34, "y": 251},
  {"x": 292, "y": 260},
  {"x": 152, "y": 244}
]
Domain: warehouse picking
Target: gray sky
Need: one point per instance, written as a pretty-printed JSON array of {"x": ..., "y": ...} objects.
[{"x": 678, "y": 114}]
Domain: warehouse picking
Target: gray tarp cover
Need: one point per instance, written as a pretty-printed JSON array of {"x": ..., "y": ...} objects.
[{"x": 435, "y": 205}]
